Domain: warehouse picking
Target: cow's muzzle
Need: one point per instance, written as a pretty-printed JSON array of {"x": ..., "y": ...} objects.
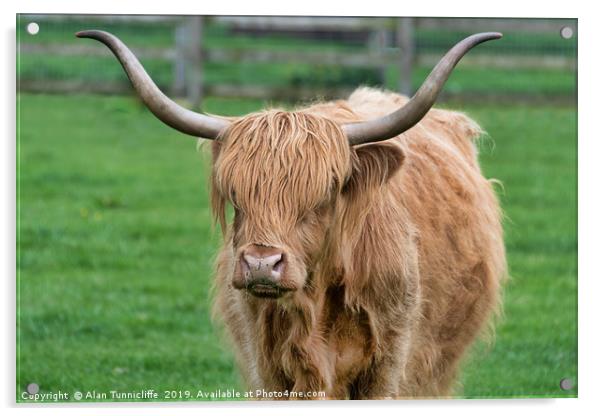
[{"x": 261, "y": 271}]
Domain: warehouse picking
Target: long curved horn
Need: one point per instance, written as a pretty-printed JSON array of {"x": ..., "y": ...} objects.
[
  {"x": 166, "y": 110},
  {"x": 407, "y": 116}
]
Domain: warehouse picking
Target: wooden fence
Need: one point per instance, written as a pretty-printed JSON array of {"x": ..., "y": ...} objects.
[{"x": 390, "y": 41}]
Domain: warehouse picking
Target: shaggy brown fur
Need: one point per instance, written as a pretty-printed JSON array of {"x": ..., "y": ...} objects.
[{"x": 394, "y": 249}]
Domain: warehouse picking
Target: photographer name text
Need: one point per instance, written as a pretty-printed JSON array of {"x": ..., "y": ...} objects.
[{"x": 168, "y": 395}]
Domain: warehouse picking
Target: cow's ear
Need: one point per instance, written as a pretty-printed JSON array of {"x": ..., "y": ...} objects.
[{"x": 373, "y": 165}]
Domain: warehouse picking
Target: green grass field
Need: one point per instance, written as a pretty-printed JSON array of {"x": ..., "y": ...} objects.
[{"x": 116, "y": 246}]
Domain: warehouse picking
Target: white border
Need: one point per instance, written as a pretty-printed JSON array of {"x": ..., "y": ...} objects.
[{"x": 590, "y": 207}]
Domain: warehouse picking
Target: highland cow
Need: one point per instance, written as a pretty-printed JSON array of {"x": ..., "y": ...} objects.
[{"x": 366, "y": 252}]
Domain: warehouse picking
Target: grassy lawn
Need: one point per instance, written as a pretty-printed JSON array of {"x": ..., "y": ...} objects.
[{"x": 116, "y": 246}]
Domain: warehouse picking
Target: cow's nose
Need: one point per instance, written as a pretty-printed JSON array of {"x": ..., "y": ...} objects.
[{"x": 261, "y": 263}]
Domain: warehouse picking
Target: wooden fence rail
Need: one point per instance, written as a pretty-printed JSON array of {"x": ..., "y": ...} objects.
[{"x": 367, "y": 59}]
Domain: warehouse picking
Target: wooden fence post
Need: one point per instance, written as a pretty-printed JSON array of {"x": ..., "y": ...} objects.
[
  {"x": 378, "y": 41},
  {"x": 188, "y": 61},
  {"x": 179, "y": 62},
  {"x": 405, "y": 41}
]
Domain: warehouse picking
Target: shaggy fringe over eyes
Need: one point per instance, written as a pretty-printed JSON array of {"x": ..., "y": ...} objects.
[{"x": 275, "y": 166}]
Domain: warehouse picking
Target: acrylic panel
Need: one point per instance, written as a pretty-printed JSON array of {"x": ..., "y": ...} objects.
[{"x": 295, "y": 207}]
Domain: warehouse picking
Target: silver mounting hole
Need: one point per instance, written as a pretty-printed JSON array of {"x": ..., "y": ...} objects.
[
  {"x": 33, "y": 28},
  {"x": 566, "y": 384},
  {"x": 33, "y": 388},
  {"x": 566, "y": 32}
]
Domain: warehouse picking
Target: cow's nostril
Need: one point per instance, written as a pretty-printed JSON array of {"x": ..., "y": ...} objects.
[
  {"x": 279, "y": 265},
  {"x": 245, "y": 265}
]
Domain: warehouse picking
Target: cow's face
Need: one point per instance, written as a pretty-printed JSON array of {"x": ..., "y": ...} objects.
[
  {"x": 291, "y": 178},
  {"x": 282, "y": 173}
]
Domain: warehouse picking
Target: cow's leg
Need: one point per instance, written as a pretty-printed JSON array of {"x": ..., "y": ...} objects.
[
  {"x": 386, "y": 375},
  {"x": 313, "y": 367},
  {"x": 380, "y": 381},
  {"x": 397, "y": 332}
]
